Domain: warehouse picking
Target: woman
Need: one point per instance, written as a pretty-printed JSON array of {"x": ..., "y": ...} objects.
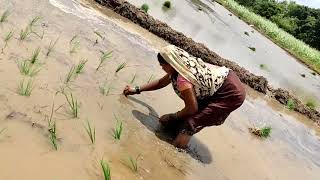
[{"x": 210, "y": 93}]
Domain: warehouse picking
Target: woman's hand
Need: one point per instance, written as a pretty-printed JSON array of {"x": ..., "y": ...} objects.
[{"x": 129, "y": 91}]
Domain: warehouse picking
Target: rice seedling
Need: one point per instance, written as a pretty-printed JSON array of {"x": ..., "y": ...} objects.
[
  {"x": 118, "y": 130},
  {"x": 246, "y": 33},
  {"x": 35, "y": 55},
  {"x": 252, "y": 49},
  {"x": 133, "y": 78},
  {"x": 25, "y": 89},
  {"x": 74, "y": 44},
  {"x": 4, "y": 16},
  {"x": 91, "y": 131},
  {"x": 263, "y": 132},
  {"x": 73, "y": 105},
  {"x": 51, "y": 46},
  {"x": 53, "y": 135},
  {"x": 104, "y": 57},
  {"x": 99, "y": 35},
  {"x": 106, "y": 170},
  {"x": 167, "y": 4},
  {"x": 33, "y": 22},
  {"x": 104, "y": 89},
  {"x": 70, "y": 75},
  {"x": 79, "y": 67},
  {"x": 133, "y": 163},
  {"x": 311, "y": 104},
  {"x": 290, "y": 104},
  {"x": 24, "y": 33},
  {"x": 150, "y": 78},
  {"x": 6, "y": 39},
  {"x": 121, "y": 66},
  {"x": 28, "y": 69},
  {"x": 145, "y": 7}
]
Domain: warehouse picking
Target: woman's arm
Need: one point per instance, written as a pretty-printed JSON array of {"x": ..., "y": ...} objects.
[{"x": 157, "y": 84}]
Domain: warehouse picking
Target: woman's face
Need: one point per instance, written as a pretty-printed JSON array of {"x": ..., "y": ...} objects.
[{"x": 167, "y": 68}]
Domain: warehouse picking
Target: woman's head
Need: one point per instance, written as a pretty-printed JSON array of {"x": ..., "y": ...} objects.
[{"x": 165, "y": 65}]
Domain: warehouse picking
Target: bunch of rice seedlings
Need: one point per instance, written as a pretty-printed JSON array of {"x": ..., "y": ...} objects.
[
  {"x": 311, "y": 104},
  {"x": 70, "y": 75},
  {"x": 25, "y": 89},
  {"x": 133, "y": 78},
  {"x": 150, "y": 78},
  {"x": 121, "y": 66},
  {"x": 104, "y": 57},
  {"x": 133, "y": 163},
  {"x": 261, "y": 132},
  {"x": 74, "y": 44},
  {"x": 118, "y": 130},
  {"x": 24, "y": 33},
  {"x": 167, "y": 4},
  {"x": 51, "y": 46},
  {"x": 99, "y": 35},
  {"x": 252, "y": 49},
  {"x": 4, "y": 16},
  {"x": 91, "y": 131},
  {"x": 80, "y": 66},
  {"x": 145, "y": 7},
  {"x": 290, "y": 104},
  {"x": 106, "y": 170},
  {"x": 35, "y": 55},
  {"x": 53, "y": 136},
  {"x": 28, "y": 69},
  {"x": 6, "y": 39},
  {"x": 73, "y": 105}
]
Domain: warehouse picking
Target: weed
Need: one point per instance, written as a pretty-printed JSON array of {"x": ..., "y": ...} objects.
[
  {"x": 118, "y": 130},
  {"x": 261, "y": 132},
  {"x": 4, "y": 16},
  {"x": 246, "y": 33},
  {"x": 74, "y": 44},
  {"x": 290, "y": 104},
  {"x": 145, "y": 7},
  {"x": 121, "y": 66},
  {"x": 252, "y": 49},
  {"x": 70, "y": 75},
  {"x": 311, "y": 104},
  {"x": 105, "y": 56},
  {"x": 6, "y": 39},
  {"x": 133, "y": 78},
  {"x": 53, "y": 135},
  {"x": 73, "y": 105},
  {"x": 91, "y": 132},
  {"x": 106, "y": 170},
  {"x": 51, "y": 46},
  {"x": 25, "y": 89},
  {"x": 28, "y": 69},
  {"x": 167, "y": 4},
  {"x": 79, "y": 67},
  {"x": 35, "y": 55}
]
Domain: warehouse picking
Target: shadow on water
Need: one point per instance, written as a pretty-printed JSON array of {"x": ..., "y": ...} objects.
[{"x": 196, "y": 149}]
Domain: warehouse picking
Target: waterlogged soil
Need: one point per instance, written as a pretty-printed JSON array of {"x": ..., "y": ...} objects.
[
  {"x": 225, "y": 152},
  {"x": 221, "y": 31}
]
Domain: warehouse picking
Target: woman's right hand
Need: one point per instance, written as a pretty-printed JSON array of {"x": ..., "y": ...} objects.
[{"x": 129, "y": 91}]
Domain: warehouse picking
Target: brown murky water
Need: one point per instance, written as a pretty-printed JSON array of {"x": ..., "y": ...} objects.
[{"x": 226, "y": 152}]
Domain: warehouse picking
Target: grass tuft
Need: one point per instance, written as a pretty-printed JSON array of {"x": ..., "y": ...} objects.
[
  {"x": 261, "y": 132},
  {"x": 121, "y": 66},
  {"x": 25, "y": 89},
  {"x": 106, "y": 170},
  {"x": 73, "y": 105},
  {"x": 79, "y": 67},
  {"x": 51, "y": 46},
  {"x": 145, "y": 7},
  {"x": 91, "y": 131},
  {"x": 290, "y": 104},
  {"x": 4, "y": 16},
  {"x": 167, "y": 4},
  {"x": 118, "y": 129},
  {"x": 104, "y": 57}
]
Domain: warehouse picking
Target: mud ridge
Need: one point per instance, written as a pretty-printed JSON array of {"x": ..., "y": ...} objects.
[{"x": 174, "y": 37}]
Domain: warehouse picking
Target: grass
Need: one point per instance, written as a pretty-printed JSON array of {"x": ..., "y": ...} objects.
[
  {"x": 299, "y": 49},
  {"x": 118, "y": 130},
  {"x": 51, "y": 46},
  {"x": 35, "y": 55},
  {"x": 6, "y": 39},
  {"x": 104, "y": 57},
  {"x": 133, "y": 78},
  {"x": 252, "y": 49},
  {"x": 73, "y": 105},
  {"x": 28, "y": 69},
  {"x": 167, "y": 4},
  {"x": 121, "y": 66},
  {"x": 25, "y": 89},
  {"x": 290, "y": 104},
  {"x": 91, "y": 131},
  {"x": 311, "y": 104},
  {"x": 106, "y": 170},
  {"x": 74, "y": 44},
  {"x": 261, "y": 132},
  {"x": 53, "y": 136},
  {"x": 4, "y": 16},
  {"x": 133, "y": 163},
  {"x": 145, "y": 7},
  {"x": 70, "y": 75},
  {"x": 79, "y": 67}
]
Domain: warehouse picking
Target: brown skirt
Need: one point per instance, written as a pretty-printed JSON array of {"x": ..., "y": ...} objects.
[{"x": 213, "y": 111}]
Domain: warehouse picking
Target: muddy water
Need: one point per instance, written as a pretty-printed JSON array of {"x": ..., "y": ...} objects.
[
  {"x": 226, "y": 152},
  {"x": 209, "y": 23}
]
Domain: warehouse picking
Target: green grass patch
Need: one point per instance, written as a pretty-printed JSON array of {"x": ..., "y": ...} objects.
[
  {"x": 299, "y": 49},
  {"x": 28, "y": 69},
  {"x": 132, "y": 163},
  {"x": 51, "y": 46},
  {"x": 35, "y": 56},
  {"x": 70, "y": 75},
  {"x": 145, "y": 7},
  {"x": 290, "y": 104},
  {"x": 74, "y": 44}
]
